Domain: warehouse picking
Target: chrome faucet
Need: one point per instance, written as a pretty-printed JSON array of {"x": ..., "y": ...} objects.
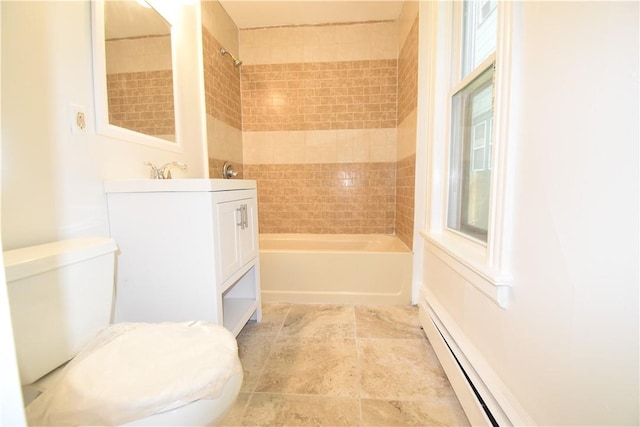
[
  {"x": 228, "y": 172},
  {"x": 164, "y": 172}
]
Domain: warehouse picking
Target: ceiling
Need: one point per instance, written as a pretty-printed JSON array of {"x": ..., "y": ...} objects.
[{"x": 257, "y": 13}]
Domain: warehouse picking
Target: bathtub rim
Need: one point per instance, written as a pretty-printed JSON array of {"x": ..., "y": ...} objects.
[{"x": 342, "y": 237}]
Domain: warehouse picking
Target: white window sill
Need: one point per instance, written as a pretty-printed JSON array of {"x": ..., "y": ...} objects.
[{"x": 470, "y": 262}]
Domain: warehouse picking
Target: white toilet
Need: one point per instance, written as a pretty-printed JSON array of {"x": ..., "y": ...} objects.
[{"x": 61, "y": 299}]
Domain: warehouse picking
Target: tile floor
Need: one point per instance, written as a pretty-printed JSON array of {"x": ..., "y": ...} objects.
[{"x": 341, "y": 365}]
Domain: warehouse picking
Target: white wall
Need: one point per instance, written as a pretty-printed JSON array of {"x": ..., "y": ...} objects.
[
  {"x": 11, "y": 412},
  {"x": 567, "y": 345},
  {"x": 51, "y": 178}
]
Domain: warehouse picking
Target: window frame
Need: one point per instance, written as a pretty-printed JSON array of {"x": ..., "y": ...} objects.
[
  {"x": 462, "y": 183},
  {"x": 485, "y": 265}
]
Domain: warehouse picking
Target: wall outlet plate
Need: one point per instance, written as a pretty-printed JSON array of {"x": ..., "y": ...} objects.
[{"x": 78, "y": 118}]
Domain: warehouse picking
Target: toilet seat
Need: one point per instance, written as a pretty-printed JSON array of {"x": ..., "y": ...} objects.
[{"x": 134, "y": 370}]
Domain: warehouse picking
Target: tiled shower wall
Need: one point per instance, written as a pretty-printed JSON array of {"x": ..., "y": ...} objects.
[
  {"x": 319, "y": 120},
  {"x": 321, "y": 107},
  {"x": 407, "y": 105},
  {"x": 222, "y": 89}
]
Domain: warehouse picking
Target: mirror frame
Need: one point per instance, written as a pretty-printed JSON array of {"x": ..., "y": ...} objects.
[{"x": 103, "y": 127}]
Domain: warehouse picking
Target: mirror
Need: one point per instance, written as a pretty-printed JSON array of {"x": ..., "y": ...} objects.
[{"x": 133, "y": 73}]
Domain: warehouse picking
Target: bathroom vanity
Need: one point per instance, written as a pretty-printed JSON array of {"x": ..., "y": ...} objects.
[{"x": 188, "y": 250}]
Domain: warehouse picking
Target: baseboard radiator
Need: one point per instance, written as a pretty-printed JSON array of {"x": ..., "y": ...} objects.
[{"x": 484, "y": 398}]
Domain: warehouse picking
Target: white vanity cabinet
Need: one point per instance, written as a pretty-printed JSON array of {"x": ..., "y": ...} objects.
[{"x": 188, "y": 250}]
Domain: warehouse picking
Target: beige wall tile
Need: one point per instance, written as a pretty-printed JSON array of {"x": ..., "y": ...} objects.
[
  {"x": 221, "y": 84},
  {"x": 257, "y": 148},
  {"x": 405, "y": 200},
  {"x": 382, "y": 145},
  {"x": 339, "y": 42},
  {"x": 408, "y": 74},
  {"x": 290, "y": 148},
  {"x": 325, "y": 197},
  {"x": 324, "y": 146},
  {"x": 320, "y": 147},
  {"x": 407, "y": 18},
  {"x": 220, "y": 25},
  {"x": 320, "y": 96},
  {"x": 223, "y": 141},
  {"x": 407, "y": 123},
  {"x": 407, "y": 136}
]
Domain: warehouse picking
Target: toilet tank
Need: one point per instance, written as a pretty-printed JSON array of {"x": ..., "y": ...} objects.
[{"x": 60, "y": 295}]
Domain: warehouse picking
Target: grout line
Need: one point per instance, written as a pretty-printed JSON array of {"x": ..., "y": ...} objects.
[
  {"x": 244, "y": 409},
  {"x": 264, "y": 365},
  {"x": 332, "y": 396},
  {"x": 358, "y": 364},
  {"x": 284, "y": 319}
]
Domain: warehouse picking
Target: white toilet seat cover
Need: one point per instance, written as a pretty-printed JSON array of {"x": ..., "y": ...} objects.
[{"x": 133, "y": 370}]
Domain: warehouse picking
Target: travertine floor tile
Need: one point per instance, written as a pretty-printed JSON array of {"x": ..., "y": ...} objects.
[
  {"x": 266, "y": 409},
  {"x": 234, "y": 417},
  {"x": 273, "y": 316},
  {"x": 305, "y": 365},
  {"x": 436, "y": 412},
  {"x": 400, "y": 370},
  {"x": 388, "y": 322},
  {"x": 334, "y": 365},
  {"x": 319, "y": 320},
  {"x": 254, "y": 352}
]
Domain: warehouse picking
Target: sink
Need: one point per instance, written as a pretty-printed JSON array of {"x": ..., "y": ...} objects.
[{"x": 172, "y": 185}]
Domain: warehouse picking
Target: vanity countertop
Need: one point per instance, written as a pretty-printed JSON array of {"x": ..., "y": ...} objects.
[{"x": 173, "y": 185}]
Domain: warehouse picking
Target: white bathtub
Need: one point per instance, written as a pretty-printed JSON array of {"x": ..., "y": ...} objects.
[{"x": 335, "y": 269}]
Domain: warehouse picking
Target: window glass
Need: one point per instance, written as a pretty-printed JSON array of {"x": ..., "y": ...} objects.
[
  {"x": 469, "y": 173},
  {"x": 479, "y": 33}
]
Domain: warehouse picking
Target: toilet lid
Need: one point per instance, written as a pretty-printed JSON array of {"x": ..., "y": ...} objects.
[{"x": 133, "y": 370}]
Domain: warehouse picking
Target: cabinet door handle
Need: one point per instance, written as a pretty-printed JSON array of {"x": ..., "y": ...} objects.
[
  {"x": 246, "y": 216},
  {"x": 241, "y": 222}
]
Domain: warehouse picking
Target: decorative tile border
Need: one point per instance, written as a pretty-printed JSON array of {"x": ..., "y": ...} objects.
[
  {"x": 326, "y": 146},
  {"x": 320, "y": 96},
  {"x": 325, "y": 197}
]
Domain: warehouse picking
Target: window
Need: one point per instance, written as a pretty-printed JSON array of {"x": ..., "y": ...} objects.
[
  {"x": 479, "y": 29},
  {"x": 469, "y": 178},
  {"x": 471, "y": 121},
  {"x": 471, "y": 117}
]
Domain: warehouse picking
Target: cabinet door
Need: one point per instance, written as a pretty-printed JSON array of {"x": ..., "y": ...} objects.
[
  {"x": 229, "y": 231},
  {"x": 249, "y": 235}
]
